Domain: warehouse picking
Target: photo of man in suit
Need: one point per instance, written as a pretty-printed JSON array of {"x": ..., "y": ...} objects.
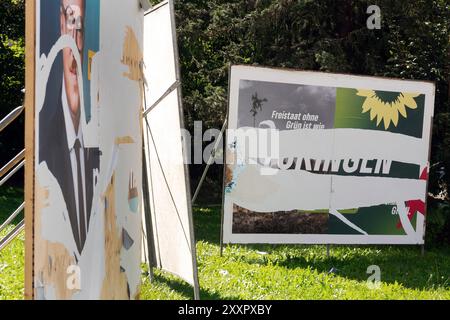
[{"x": 61, "y": 138}]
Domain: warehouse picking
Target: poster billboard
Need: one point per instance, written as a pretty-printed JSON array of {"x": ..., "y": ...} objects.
[
  {"x": 170, "y": 205},
  {"x": 347, "y": 160},
  {"x": 87, "y": 149}
]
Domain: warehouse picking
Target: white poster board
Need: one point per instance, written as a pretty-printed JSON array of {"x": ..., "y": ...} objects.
[
  {"x": 349, "y": 162},
  {"x": 168, "y": 179},
  {"x": 88, "y": 149}
]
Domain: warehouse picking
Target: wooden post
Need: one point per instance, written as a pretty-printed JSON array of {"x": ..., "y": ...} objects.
[{"x": 30, "y": 47}]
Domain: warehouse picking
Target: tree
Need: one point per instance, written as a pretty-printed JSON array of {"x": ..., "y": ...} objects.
[
  {"x": 12, "y": 71},
  {"x": 256, "y": 105},
  {"x": 325, "y": 35}
]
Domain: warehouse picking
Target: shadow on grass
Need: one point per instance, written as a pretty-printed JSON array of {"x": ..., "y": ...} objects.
[
  {"x": 402, "y": 265},
  {"x": 186, "y": 289},
  {"x": 398, "y": 264}
]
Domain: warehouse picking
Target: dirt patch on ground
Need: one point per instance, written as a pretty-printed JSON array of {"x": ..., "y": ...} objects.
[{"x": 296, "y": 222}]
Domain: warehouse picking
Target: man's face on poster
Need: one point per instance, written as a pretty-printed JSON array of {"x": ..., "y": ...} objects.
[{"x": 72, "y": 23}]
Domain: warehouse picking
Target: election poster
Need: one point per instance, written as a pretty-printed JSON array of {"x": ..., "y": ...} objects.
[
  {"x": 86, "y": 189},
  {"x": 326, "y": 158}
]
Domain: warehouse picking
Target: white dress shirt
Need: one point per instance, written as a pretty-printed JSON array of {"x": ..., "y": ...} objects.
[{"x": 72, "y": 136}]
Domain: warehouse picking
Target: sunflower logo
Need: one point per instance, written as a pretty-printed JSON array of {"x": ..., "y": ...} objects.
[{"x": 387, "y": 106}]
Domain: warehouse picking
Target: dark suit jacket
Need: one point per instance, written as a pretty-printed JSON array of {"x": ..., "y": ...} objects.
[{"x": 54, "y": 151}]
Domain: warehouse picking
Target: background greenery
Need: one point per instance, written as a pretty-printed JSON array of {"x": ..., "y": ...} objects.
[
  {"x": 12, "y": 77},
  {"x": 325, "y": 35}
]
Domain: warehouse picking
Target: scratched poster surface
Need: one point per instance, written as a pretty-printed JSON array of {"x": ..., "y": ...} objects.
[
  {"x": 88, "y": 158},
  {"x": 349, "y": 164}
]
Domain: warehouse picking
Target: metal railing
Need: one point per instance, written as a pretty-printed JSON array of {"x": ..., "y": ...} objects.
[
  {"x": 6, "y": 172},
  {"x": 12, "y": 235},
  {"x": 11, "y": 117}
]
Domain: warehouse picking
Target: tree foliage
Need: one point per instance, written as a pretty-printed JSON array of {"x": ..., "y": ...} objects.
[
  {"x": 12, "y": 68},
  {"x": 325, "y": 35}
]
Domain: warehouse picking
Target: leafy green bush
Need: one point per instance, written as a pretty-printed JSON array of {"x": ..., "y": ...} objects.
[
  {"x": 438, "y": 224},
  {"x": 12, "y": 76},
  {"x": 325, "y": 35}
]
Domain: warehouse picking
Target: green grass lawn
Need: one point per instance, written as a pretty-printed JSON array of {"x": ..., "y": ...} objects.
[{"x": 280, "y": 272}]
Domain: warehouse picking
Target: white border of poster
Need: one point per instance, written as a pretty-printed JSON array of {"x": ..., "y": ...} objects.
[{"x": 248, "y": 74}]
